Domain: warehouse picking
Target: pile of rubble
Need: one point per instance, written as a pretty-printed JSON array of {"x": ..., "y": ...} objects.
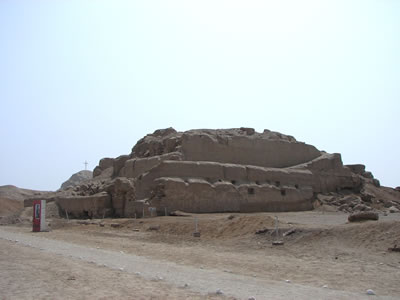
[{"x": 381, "y": 199}]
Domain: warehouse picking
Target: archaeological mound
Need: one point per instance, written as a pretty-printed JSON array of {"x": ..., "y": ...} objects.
[{"x": 207, "y": 171}]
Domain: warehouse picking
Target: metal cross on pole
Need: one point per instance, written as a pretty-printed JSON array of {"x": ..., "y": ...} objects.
[{"x": 85, "y": 163}]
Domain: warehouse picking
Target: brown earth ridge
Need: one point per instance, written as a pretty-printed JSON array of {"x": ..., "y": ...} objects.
[{"x": 223, "y": 170}]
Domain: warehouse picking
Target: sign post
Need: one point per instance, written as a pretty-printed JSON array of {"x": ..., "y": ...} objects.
[{"x": 39, "y": 216}]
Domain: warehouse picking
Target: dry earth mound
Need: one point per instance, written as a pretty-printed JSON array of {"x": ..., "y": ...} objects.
[
  {"x": 9, "y": 206},
  {"x": 15, "y": 193},
  {"x": 77, "y": 178},
  {"x": 12, "y": 202},
  {"x": 15, "y": 204}
]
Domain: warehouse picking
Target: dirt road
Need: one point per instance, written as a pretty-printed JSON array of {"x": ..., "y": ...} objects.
[{"x": 70, "y": 270}]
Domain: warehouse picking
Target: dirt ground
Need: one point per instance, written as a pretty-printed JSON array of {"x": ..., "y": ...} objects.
[
  {"x": 324, "y": 258},
  {"x": 10, "y": 206}
]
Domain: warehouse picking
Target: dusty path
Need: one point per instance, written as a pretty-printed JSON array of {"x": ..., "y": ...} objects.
[
  {"x": 27, "y": 273},
  {"x": 159, "y": 274}
]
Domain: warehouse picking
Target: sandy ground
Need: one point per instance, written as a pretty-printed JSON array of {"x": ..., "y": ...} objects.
[
  {"x": 347, "y": 259},
  {"x": 9, "y": 206},
  {"x": 28, "y": 273}
]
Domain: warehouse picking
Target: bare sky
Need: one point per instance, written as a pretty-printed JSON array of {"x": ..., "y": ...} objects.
[{"x": 82, "y": 80}]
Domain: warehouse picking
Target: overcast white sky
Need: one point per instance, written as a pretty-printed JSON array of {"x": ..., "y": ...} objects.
[{"x": 82, "y": 80}]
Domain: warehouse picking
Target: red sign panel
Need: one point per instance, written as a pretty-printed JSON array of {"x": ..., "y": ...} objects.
[{"x": 37, "y": 211}]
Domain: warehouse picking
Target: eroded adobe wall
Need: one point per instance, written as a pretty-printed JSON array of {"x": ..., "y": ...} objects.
[
  {"x": 320, "y": 181},
  {"x": 329, "y": 174},
  {"x": 199, "y": 196},
  {"x": 85, "y": 206},
  {"x": 136, "y": 166},
  {"x": 195, "y": 195},
  {"x": 246, "y": 150},
  {"x": 122, "y": 193},
  {"x": 275, "y": 199},
  {"x": 237, "y": 146}
]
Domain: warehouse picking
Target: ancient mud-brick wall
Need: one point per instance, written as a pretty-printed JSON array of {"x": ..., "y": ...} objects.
[
  {"x": 223, "y": 170},
  {"x": 85, "y": 206}
]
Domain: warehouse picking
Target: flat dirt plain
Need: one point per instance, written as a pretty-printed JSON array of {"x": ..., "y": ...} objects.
[{"x": 158, "y": 258}]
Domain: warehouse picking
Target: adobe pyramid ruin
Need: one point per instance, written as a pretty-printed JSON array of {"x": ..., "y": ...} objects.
[{"x": 223, "y": 170}]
